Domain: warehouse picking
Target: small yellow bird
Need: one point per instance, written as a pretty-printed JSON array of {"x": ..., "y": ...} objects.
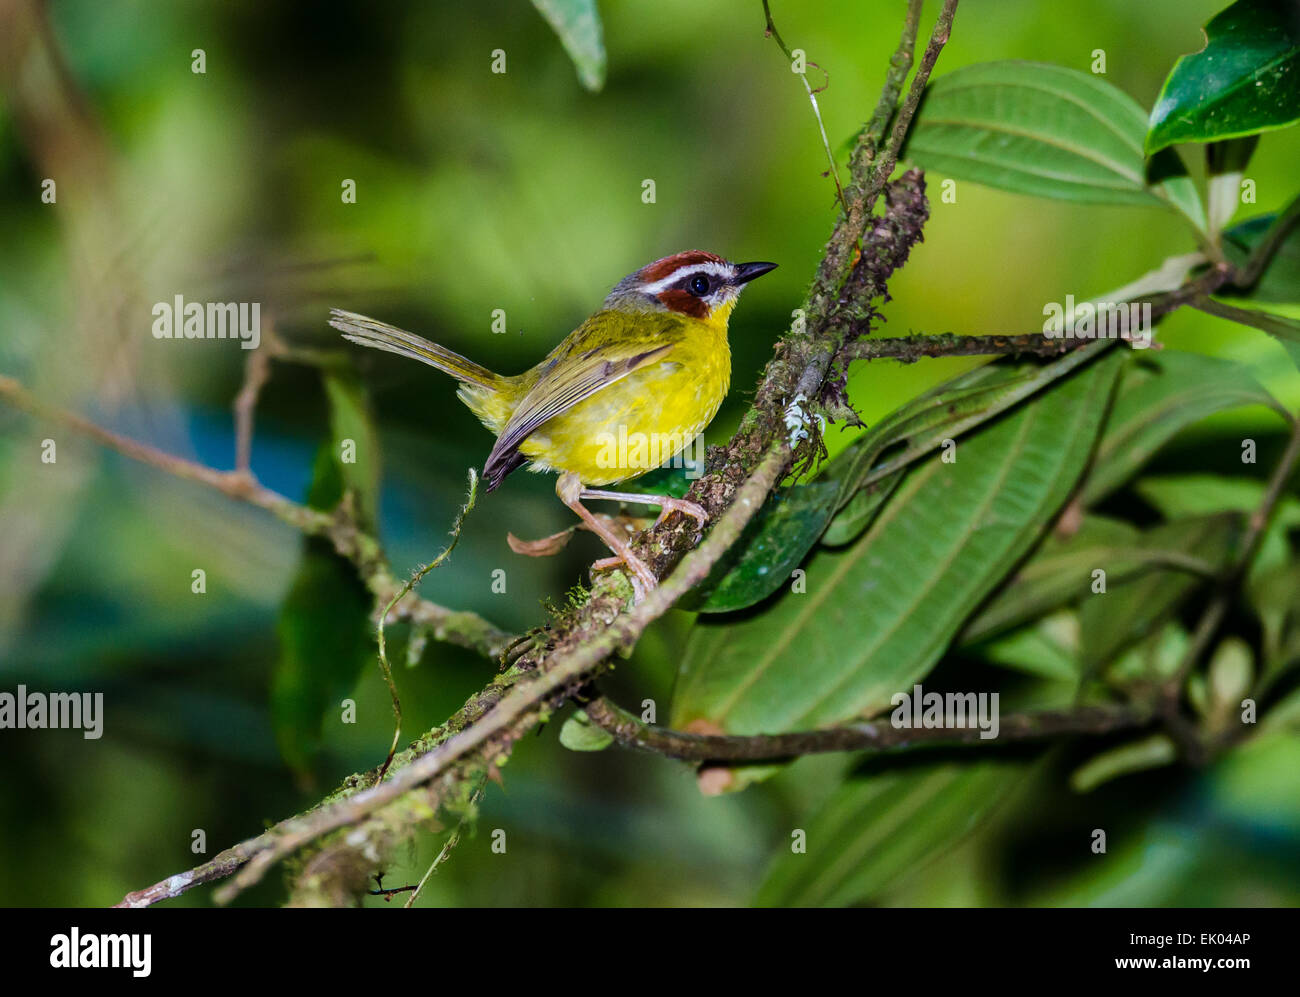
[{"x": 624, "y": 392}]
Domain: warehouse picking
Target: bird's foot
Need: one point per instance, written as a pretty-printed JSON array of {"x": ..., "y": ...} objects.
[
  {"x": 667, "y": 506},
  {"x": 642, "y": 578}
]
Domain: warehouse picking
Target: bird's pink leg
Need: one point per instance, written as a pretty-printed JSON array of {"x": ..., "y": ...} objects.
[
  {"x": 667, "y": 505},
  {"x": 569, "y": 489}
]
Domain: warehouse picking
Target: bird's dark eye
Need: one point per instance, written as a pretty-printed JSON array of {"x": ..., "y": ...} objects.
[{"x": 699, "y": 285}]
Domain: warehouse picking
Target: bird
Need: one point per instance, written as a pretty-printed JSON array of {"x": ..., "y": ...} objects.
[{"x": 652, "y": 365}]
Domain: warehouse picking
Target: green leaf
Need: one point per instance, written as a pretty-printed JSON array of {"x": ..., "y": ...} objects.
[
  {"x": 776, "y": 540},
  {"x": 324, "y": 632},
  {"x": 878, "y": 615},
  {"x": 324, "y": 629},
  {"x": 580, "y": 734},
  {"x": 1062, "y": 571},
  {"x": 1245, "y": 80},
  {"x": 858, "y": 512},
  {"x": 1153, "y": 659},
  {"x": 577, "y": 22},
  {"x": 1179, "y": 496},
  {"x": 1137, "y": 756},
  {"x": 1129, "y": 611},
  {"x": 1280, "y": 282},
  {"x": 1035, "y": 128},
  {"x": 355, "y": 447},
  {"x": 1161, "y": 395},
  {"x": 1048, "y": 649},
  {"x": 1281, "y": 327},
  {"x": 1273, "y": 582},
  {"x": 1274, "y": 595},
  {"x": 1059, "y": 572},
  {"x": 877, "y": 828}
]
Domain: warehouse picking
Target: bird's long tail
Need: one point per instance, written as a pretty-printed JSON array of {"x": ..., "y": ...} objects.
[{"x": 382, "y": 336}]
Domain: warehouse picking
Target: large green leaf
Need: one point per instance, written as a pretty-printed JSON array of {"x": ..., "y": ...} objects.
[
  {"x": 577, "y": 22},
  {"x": 1046, "y": 130},
  {"x": 876, "y": 616},
  {"x": 858, "y": 512},
  {"x": 877, "y": 828},
  {"x": 1245, "y": 80},
  {"x": 355, "y": 442},
  {"x": 1161, "y": 395}
]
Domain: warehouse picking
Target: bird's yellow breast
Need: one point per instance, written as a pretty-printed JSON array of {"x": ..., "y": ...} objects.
[{"x": 643, "y": 420}]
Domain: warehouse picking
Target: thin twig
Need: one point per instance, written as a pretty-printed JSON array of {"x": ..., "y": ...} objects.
[
  {"x": 452, "y": 841},
  {"x": 231, "y": 483},
  {"x": 411, "y": 582},
  {"x": 1267, "y": 247},
  {"x": 390, "y": 892},
  {"x": 903, "y": 121},
  {"x": 257, "y": 370},
  {"x": 812, "y": 97}
]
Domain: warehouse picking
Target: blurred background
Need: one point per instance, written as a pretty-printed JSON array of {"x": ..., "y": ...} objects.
[{"x": 478, "y": 191}]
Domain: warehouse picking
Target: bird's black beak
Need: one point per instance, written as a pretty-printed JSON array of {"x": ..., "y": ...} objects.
[{"x": 745, "y": 272}]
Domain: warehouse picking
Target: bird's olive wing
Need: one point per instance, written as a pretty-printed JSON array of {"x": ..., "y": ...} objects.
[{"x": 573, "y": 374}]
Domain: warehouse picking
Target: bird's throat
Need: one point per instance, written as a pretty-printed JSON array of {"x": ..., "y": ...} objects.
[{"x": 717, "y": 319}]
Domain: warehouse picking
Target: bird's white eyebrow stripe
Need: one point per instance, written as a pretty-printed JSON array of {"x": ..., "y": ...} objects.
[{"x": 715, "y": 269}]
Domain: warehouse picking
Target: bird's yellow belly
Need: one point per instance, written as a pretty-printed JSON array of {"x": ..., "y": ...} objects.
[{"x": 633, "y": 425}]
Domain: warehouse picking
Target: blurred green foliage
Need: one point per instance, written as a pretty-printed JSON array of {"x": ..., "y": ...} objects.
[{"x": 518, "y": 191}]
